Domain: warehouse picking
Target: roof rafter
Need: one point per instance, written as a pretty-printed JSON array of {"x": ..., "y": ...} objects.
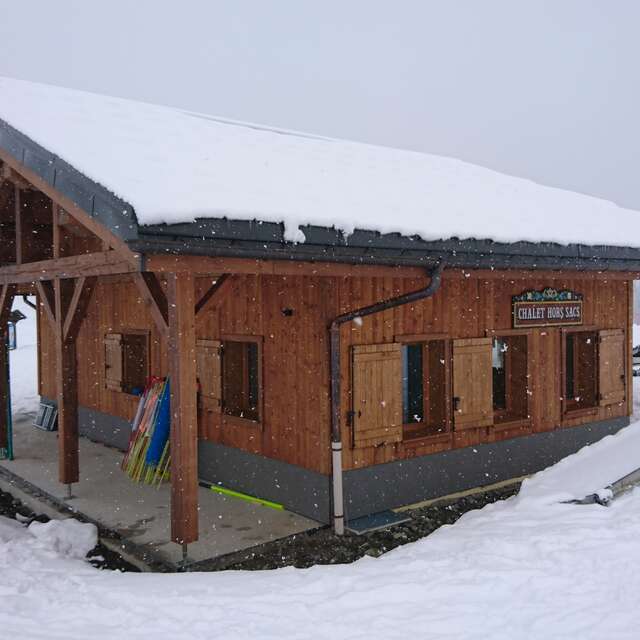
[{"x": 71, "y": 208}]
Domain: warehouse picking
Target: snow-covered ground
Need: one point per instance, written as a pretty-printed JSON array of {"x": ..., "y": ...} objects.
[
  {"x": 24, "y": 363},
  {"x": 528, "y": 567}
]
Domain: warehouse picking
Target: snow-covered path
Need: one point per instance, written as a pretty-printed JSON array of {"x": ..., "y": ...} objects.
[{"x": 528, "y": 567}]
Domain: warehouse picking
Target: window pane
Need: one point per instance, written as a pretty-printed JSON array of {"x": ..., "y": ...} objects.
[
  {"x": 510, "y": 378},
  {"x": 412, "y": 384},
  {"x": 252, "y": 364},
  {"x": 499, "y": 374},
  {"x": 569, "y": 371},
  {"x": 581, "y": 370},
  {"x": 134, "y": 362},
  {"x": 240, "y": 379}
]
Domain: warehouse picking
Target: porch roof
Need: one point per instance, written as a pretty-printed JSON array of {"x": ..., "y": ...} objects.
[{"x": 164, "y": 179}]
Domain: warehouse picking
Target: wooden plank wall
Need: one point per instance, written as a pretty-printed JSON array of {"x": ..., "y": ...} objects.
[
  {"x": 296, "y": 421},
  {"x": 469, "y": 306},
  {"x": 115, "y": 307}
]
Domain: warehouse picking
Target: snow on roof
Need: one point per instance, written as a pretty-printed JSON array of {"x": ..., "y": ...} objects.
[{"x": 175, "y": 166}]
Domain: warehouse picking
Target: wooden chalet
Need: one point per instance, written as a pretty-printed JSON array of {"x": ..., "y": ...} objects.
[{"x": 337, "y": 376}]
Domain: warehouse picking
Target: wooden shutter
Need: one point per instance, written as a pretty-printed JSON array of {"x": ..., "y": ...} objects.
[
  {"x": 209, "y": 372},
  {"x": 113, "y": 361},
  {"x": 611, "y": 364},
  {"x": 472, "y": 383},
  {"x": 377, "y": 394}
]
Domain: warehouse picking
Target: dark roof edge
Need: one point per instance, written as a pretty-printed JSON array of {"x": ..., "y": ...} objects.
[
  {"x": 251, "y": 237},
  {"x": 467, "y": 254},
  {"x": 100, "y": 203}
]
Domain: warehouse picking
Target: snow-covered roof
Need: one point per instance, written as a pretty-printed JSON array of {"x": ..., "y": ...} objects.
[{"x": 173, "y": 166}]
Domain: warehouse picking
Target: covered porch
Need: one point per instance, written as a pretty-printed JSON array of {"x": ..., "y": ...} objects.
[{"x": 139, "y": 513}]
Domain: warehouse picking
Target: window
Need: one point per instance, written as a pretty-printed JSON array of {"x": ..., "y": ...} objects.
[
  {"x": 580, "y": 370},
  {"x": 510, "y": 379},
  {"x": 424, "y": 388},
  {"x": 126, "y": 361},
  {"x": 241, "y": 379}
]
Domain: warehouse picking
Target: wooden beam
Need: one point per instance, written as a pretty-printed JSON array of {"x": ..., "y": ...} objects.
[
  {"x": 26, "y": 289},
  {"x": 184, "y": 416},
  {"x": 66, "y": 388},
  {"x": 57, "y": 235},
  {"x": 9, "y": 175},
  {"x": 46, "y": 296},
  {"x": 78, "y": 307},
  {"x": 215, "y": 290},
  {"x": 537, "y": 274},
  {"x": 207, "y": 265},
  {"x": 153, "y": 294},
  {"x": 6, "y": 301},
  {"x": 21, "y": 225},
  {"x": 86, "y": 264},
  {"x": 204, "y": 265},
  {"x": 83, "y": 217}
]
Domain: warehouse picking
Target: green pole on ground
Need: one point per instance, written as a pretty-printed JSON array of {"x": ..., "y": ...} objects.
[{"x": 7, "y": 453}]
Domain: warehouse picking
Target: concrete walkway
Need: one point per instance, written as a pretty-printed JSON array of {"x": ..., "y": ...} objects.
[{"x": 138, "y": 512}]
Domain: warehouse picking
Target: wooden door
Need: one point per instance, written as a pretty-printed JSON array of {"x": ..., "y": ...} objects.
[
  {"x": 611, "y": 365},
  {"x": 377, "y": 394},
  {"x": 472, "y": 383}
]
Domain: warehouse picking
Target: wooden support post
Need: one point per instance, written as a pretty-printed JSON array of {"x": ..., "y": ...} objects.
[
  {"x": 6, "y": 300},
  {"x": 184, "y": 416},
  {"x": 66, "y": 388},
  {"x": 71, "y": 302}
]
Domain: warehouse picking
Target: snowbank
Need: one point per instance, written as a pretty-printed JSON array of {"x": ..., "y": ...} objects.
[
  {"x": 527, "y": 567},
  {"x": 173, "y": 166},
  {"x": 586, "y": 472},
  {"x": 65, "y": 538},
  {"x": 68, "y": 538}
]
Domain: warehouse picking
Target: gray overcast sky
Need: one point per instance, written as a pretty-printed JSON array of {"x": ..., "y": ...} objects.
[{"x": 545, "y": 89}]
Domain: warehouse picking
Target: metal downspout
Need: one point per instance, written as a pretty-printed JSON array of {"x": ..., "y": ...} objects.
[{"x": 336, "y": 423}]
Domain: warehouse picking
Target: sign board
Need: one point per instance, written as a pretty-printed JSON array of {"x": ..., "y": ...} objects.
[{"x": 547, "y": 308}]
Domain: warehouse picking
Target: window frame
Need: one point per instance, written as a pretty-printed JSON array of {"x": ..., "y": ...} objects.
[
  {"x": 123, "y": 333},
  {"x": 412, "y": 432},
  {"x": 229, "y": 419},
  {"x": 518, "y": 422},
  {"x": 569, "y": 412}
]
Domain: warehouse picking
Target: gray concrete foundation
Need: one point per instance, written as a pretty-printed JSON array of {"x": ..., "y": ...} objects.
[{"x": 376, "y": 488}]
